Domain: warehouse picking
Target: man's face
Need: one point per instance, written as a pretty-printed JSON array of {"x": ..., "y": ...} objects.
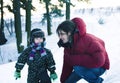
[{"x": 63, "y": 36}]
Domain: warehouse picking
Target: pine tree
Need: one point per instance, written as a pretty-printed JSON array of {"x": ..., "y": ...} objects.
[
  {"x": 28, "y": 19},
  {"x": 18, "y": 31},
  {"x": 3, "y": 40}
]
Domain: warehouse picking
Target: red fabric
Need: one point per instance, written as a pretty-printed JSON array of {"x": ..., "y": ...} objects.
[{"x": 87, "y": 50}]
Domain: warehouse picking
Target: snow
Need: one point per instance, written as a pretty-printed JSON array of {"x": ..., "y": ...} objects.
[{"x": 109, "y": 31}]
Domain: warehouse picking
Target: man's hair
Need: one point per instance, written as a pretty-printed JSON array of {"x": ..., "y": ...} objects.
[{"x": 66, "y": 26}]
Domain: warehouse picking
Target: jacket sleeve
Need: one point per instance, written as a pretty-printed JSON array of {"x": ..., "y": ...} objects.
[
  {"x": 94, "y": 56},
  {"x": 50, "y": 61},
  {"x": 22, "y": 59},
  {"x": 66, "y": 70}
]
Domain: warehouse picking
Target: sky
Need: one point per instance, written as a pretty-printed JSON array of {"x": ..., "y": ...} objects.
[
  {"x": 105, "y": 3},
  {"x": 109, "y": 32}
]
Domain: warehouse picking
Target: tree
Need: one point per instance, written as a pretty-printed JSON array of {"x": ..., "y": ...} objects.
[
  {"x": 47, "y": 15},
  {"x": 68, "y": 4},
  {"x": 28, "y": 19},
  {"x": 18, "y": 31},
  {"x": 27, "y": 6},
  {"x": 68, "y": 9},
  {"x": 56, "y": 12},
  {"x": 17, "y": 23},
  {"x": 3, "y": 40},
  {"x": 50, "y": 9}
]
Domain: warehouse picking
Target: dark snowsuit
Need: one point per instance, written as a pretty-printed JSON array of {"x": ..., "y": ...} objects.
[{"x": 37, "y": 69}]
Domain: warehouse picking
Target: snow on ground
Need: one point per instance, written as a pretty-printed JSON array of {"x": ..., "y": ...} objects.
[{"x": 109, "y": 32}]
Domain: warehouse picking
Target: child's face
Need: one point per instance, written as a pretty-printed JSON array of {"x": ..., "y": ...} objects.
[{"x": 38, "y": 40}]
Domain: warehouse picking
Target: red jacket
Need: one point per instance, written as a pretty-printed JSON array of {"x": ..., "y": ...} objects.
[{"x": 87, "y": 51}]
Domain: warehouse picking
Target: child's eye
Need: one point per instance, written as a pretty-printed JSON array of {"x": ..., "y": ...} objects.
[{"x": 38, "y": 38}]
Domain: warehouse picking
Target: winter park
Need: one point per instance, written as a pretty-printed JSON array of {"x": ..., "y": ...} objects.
[{"x": 101, "y": 20}]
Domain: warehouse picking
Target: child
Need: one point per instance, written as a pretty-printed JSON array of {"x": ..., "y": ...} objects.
[{"x": 38, "y": 59}]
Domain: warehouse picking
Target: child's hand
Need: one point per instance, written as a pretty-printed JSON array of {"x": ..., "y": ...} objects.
[
  {"x": 17, "y": 74},
  {"x": 53, "y": 76}
]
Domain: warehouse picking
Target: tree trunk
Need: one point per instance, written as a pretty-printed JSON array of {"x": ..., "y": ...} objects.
[
  {"x": 28, "y": 20},
  {"x": 2, "y": 20},
  {"x": 48, "y": 19},
  {"x": 3, "y": 40},
  {"x": 18, "y": 31},
  {"x": 68, "y": 10}
]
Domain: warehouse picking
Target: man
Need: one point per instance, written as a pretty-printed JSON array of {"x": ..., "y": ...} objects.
[{"x": 85, "y": 56}]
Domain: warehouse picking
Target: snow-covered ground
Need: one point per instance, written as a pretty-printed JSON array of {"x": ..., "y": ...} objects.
[{"x": 109, "y": 32}]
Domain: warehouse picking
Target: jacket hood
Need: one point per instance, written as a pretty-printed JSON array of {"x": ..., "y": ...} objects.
[{"x": 80, "y": 25}]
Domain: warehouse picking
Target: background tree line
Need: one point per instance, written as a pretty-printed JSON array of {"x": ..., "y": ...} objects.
[{"x": 27, "y": 6}]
